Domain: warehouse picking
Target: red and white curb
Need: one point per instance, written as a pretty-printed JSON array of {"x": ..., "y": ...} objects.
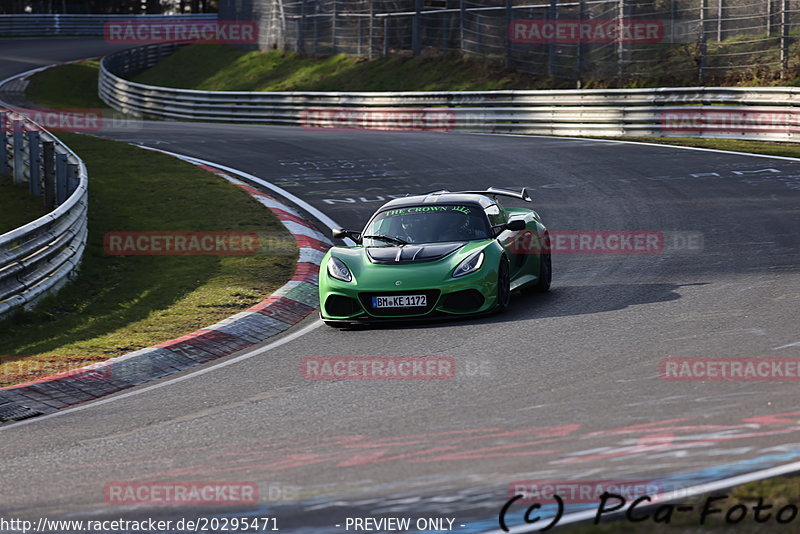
[{"x": 285, "y": 307}]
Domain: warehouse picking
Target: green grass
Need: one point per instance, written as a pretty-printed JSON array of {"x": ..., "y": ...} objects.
[
  {"x": 70, "y": 86},
  {"x": 777, "y": 491},
  {"x": 734, "y": 145},
  {"x": 119, "y": 304},
  {"x": 224, "y": 68},
  {"x": 17, "y": 206}
]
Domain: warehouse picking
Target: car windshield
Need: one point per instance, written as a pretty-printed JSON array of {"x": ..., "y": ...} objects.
[{"x": 427, "y": 224}]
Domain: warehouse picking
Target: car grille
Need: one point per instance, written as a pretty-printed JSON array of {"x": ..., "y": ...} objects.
[
  {"x": 463, "y": 301},
  {"x": 339, "y": 306},
  {"x": 432, "y": 295}
]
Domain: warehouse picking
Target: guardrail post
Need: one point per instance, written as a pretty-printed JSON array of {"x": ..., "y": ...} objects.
[
  {"x": 301, "y": 24},
  {"x": 581, "y": 45},
  {"x": 552, "y": 14},
  {"x": 316, "y": 34},
  {"x": 769, "y": 17},
  {"x": 416, "y": 31},
  {"x": 371, "y": 26},
  {"x": 462, "y": 11},
  {"x": 509, "y": 41},
  {"x": 3, "y": 142},
  {"x": 385, "y": 36},
  {"x": 73, "y": 179},
  {"x": 673, "y": 16},
  {"x": 703, "y": 46},
  {"x": 35, "y": 164},
  {"x": 478, "y": 33},
  {"x": 333, "y": 25},
  {"x": 360, "y": 32},
  {"x": 61, "y": 178},
  {"x": 49, "y": 174},
  {"x": 621, "y": 50},
  {"x": 19, "y": 153},
  {"x": 784, "y": 38},
  {"x": 445, "y": 39}
]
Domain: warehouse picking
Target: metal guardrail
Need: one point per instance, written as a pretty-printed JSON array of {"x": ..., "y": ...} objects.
[
  {"x": 90, "y": 24},
  {"x": 39, "y": 257},
  {"x": 769, "y": 113}
]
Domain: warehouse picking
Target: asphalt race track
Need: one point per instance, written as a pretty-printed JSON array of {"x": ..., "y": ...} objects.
[{"x": 563, "y": 386}]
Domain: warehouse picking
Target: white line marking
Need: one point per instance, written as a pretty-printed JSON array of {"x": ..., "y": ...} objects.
[
  {"x": 327, "y": 221},
  {"x": 795, "y": 344},
  {"x": 669, "y": 496},
  {"x": 237, "y": 359},
  {"x": 621, "y": 141}
]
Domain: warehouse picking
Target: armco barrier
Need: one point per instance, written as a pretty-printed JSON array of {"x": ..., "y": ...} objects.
[
  {"x": 39, "y": 257},
  {"x": 72, "y": 25},
  {"x": 769, "y": 113}
]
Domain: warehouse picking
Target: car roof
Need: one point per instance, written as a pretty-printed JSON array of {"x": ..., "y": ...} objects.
[{"x": 440, "y": 198}]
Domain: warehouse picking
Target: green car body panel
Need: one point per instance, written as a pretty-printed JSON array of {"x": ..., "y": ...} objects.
[{"x": 447, "y": 295}]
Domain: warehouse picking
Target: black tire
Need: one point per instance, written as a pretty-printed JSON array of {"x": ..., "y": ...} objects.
[
  {"x": 545, "y": 269},
  {"x": 503, "y": 286}
]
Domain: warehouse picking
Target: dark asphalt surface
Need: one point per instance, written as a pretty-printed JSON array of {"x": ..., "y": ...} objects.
[
  {"x": 20, "y": 54},
  {"x": 564, "y": 386}
]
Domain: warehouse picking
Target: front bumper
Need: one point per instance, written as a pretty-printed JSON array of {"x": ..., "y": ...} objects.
[{"x": 347, "y": 302}]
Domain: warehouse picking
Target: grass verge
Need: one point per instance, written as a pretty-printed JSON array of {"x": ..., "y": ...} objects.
[
  {"x": 769, "y": 148},
  {"x": 118, "y": 304},
  {"x": 224, "y": 68},
  {"x": 69, "y": 86},
  {"x": 17, "y": 206}
]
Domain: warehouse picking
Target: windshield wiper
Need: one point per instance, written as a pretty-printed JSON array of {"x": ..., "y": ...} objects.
[{"x": 387, "y": 238}]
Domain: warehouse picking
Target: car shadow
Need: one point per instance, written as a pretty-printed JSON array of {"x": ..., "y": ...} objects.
[{"x": 560, "y": 301}]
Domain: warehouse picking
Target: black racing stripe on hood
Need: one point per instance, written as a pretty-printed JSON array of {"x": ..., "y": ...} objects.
[{"x": 423, "y": 253}]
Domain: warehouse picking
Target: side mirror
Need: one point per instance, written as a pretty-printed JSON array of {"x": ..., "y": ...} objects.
[
  {"x": 341, "y": 233},
  {"x": 516, "y": 225}
]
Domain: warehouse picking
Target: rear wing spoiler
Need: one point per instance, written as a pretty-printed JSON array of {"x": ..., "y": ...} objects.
[{"x": 518, "y": 193}]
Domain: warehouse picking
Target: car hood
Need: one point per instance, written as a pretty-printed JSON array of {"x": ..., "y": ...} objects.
[{"x": 422, "y": 253}]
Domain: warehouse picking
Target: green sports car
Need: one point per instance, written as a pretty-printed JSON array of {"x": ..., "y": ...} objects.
[{"x": 435, "y": 255}]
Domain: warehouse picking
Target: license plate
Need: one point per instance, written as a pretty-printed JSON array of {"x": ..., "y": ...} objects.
[{"x": 400, "y": 301}]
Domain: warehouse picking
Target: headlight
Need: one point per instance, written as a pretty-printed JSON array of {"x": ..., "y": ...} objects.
[
  {"x": 469, "y": 265},
  {"x": 337, "y": 269}
]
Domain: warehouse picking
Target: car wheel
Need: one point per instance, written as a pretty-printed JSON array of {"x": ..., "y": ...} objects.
[
  {"x": 545, "y": 268},
  {"x": 545, "y": 273},
  {"x": 503, "y": 286}
]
